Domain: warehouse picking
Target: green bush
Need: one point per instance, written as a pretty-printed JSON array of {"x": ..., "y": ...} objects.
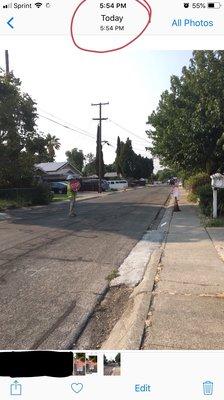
[
  {"x": 221, "y": 202},
  {"x": 19, "y": 197},
  {"x": 192, "y": 197},
  {"x": 41, "y": 195},
  {"x": 206, "y": 199},
  {"x": 196, "y": 181}
]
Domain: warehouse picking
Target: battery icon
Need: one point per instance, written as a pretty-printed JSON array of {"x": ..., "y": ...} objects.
[{"x": 216, "y": 4}]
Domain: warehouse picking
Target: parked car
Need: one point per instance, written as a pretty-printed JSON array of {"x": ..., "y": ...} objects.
[
  {"x": 138, "y": 182},
  {"x": 93, "y": 185},
  {"x": 118, "y": 184},
  {"x": 59, "y": 187},
  {"x": 105, "y": 185}
]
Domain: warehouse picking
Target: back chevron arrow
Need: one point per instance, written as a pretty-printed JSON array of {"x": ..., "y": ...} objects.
[{"x": 9, "y": 23}]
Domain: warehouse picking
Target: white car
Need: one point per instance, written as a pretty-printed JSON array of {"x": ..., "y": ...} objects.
[{"x": 119, "y": 184}]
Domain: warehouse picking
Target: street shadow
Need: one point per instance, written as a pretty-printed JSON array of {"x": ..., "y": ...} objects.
[
  {"x": 128, "y": 218},
  {"x": 108, "y": 215}
]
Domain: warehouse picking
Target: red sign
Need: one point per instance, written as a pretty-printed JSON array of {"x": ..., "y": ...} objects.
[{"x": 75, "y": 186}]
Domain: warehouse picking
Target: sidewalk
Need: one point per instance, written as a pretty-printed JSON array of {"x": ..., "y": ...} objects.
[{"x": 188, "y": 307}]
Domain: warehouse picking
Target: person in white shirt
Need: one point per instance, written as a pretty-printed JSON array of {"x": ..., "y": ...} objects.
[{"x": 176, "y": 196}]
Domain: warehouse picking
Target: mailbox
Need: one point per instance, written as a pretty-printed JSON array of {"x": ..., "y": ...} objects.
[{"x": 217, "y": 181}]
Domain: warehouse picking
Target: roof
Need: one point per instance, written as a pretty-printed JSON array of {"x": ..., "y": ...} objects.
[
  {"x": 110, "y": 174},
  {"x": 92, "y": 176},
  {"x": 51, "y": 166},
  {"x": 107, "y": 175},
  {"x": 57, "y": 167}
]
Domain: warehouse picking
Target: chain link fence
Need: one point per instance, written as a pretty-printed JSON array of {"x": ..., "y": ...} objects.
[{"x": 26, "y": 196}]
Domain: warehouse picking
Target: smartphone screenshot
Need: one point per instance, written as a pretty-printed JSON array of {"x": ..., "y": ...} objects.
[{"x": 111, "y": 199}]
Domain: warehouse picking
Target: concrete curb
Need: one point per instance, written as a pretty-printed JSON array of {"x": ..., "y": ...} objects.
[
  {"x": 73, "y": 337},
  {"x": 128, "y": 331}
]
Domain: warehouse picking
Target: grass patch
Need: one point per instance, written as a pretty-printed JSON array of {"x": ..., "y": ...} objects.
[
  {"x": 60, "y": 197},
  {"x": 6, "y": 204},
  {"x": 114, "y": 274},
  {"x": 192, "y": 197},
  {"x": 213, "y": 223}
]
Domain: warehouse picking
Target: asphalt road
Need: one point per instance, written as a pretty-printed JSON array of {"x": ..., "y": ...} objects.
[{"x": 53, "y": 268}]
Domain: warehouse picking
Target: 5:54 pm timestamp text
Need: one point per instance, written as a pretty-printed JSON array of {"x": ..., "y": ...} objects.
[{"x": 113, "y": 5}]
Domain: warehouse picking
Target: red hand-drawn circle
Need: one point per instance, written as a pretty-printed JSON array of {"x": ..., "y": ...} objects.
[{"x": 143, "y": 3}]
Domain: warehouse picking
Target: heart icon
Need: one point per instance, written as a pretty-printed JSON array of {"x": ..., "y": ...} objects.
[{"x": 77, "y": 387}]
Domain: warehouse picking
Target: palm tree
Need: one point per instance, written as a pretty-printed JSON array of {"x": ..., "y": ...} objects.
[{"x": 52, "y": 145}]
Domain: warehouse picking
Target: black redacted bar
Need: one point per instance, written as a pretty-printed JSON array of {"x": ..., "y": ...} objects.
[{"x": 19, "y": 364}]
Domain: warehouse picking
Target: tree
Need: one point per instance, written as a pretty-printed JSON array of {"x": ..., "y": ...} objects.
[
  {"x": 165, "y": 174},
  {"x": 99, "y": 166},
  {"x": 130, "y": 164},
  {"x": 110, "y": 167},
  {"x": 105, "y": 361},
  {"x": 126, "y": 157},
  {"x": 52, "y": 144},
  {"x": 21, "y": 146},
  {"x": 17, "y": 124},
  {"x": 118, "y": 358},
  {"x": 76, "y": 158},
  {"x": 143, "y": 167},
  {"x": 189, "y": 120},
  {"x": 118, "y": 156},
  {"x": 90, "y": 168},
  {"x": 89, "y": 157},
  {"x": 37, "y": 146}
]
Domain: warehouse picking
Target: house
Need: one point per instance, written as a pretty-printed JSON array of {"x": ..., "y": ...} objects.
[{"x": 56, "y": 171}]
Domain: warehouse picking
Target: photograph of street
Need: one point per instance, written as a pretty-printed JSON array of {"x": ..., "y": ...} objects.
[
  {"x": 112, "y": 363},
  {"x": 91, "y": 365},
  {"x": 111, "y": 200},
  {"x": 79, "y": 364}
]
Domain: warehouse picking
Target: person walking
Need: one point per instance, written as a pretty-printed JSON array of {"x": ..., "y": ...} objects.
[
  {"x": 73, "y": 187},
  {"x": 176, "y": 196}
]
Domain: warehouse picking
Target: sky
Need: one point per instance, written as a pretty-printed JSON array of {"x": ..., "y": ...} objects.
[
  {"x": 110, "y": 355},
  {"x": 64, "y": 81}
]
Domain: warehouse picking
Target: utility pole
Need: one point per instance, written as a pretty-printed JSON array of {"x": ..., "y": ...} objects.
[
  {"x": 100, "y": 119},
  {"x": 6, "y": 62}
]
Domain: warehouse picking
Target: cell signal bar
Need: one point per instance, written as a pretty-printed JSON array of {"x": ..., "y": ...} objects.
[
  {"x": 216, "y": 5},
  {"x": 7, "y": 5}
]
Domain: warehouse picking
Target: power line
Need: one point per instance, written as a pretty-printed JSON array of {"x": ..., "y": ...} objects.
[
  {"x": 82, "y": 131},
  {"x": 66, "y": 126},
  {"x": 138, "y": 146},
  {"x": 127, "y": 130},
  {"x": 78, "y": 130},
  {"x": 65, "y": 122}
]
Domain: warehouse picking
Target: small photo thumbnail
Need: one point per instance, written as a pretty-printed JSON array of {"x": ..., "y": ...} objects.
[
  {"x": 79, "y": 364},
  {"x": 91, "y": 364},
  {"x": 112, "y": 363}
]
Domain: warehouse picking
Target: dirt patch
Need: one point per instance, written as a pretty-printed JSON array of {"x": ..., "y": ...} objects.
[{"x": 104, "y": 318}]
